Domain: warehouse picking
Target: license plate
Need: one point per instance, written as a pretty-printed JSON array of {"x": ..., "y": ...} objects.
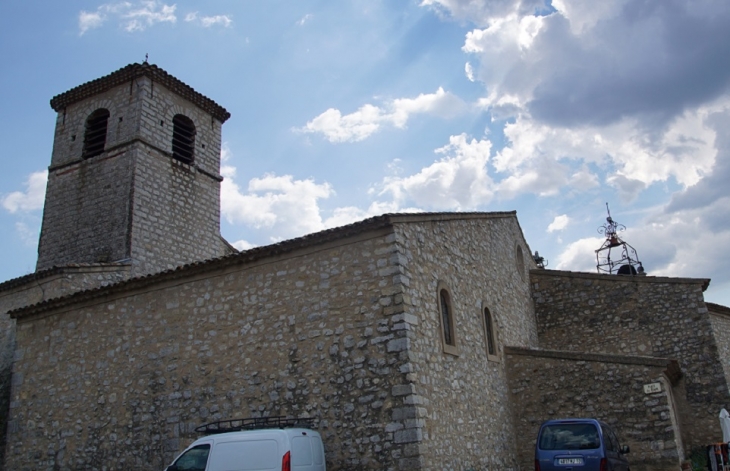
[{"x": 570, "y": 461}]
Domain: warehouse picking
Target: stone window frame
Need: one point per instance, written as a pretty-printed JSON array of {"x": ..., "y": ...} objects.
[
  {"x": 495, "y": 355},
  {"x": 183, "y": 138},
  {"x": 520, "y": 260},
  {"x": 447, "y": 320},
  {"x": 96, "y": 127}
]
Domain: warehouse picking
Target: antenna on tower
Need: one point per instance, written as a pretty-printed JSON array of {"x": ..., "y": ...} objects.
[{"x": 615, "y": 255}]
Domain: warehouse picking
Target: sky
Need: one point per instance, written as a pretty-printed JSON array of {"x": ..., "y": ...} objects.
[{"x": 350, "y": 109}]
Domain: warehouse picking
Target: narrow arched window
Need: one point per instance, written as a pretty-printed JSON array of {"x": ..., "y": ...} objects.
[
  {"x": 446, "y": 317},
  {"x": 447, "y": 321},
  {"x": 183, "y": 138},
  {"x": 95, "y": 133},
  {"x": 489, "y": 330}
]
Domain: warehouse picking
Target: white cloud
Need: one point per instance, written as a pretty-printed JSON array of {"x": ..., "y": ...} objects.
[
  {"x": 143, "y": 14},
  {"x": 146, "y": 14},
  {"x": 469, "y": 71},
  {"x": 32, "y": 198},
  {"x": 242, "y": 245},
  {"x": 368, "y": 119},
  {"x": 559, "y": 223},
  {"x": 282, "y": 205},
  {"x": 483, "y": 12},
  {"x": 684, "y": 151},
  {"x": 208, "y": 21},
  {"x": 304, "y": 19},
  {"x": 131, "y": 16},
  {"x": 90, "y": 20},
  {"x": 580, "y": 255},
  {"x": 459, "y": 181}
]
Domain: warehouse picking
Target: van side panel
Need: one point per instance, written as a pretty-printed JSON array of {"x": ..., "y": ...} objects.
[
  {"x": 318, "y": 450},
  {"x": 246, "y": 455}
]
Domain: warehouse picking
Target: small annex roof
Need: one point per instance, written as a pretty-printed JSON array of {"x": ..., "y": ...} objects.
[
  {"x": 717, "y": 308},
  {"x": 703, "y": 282},
  {"x": 134, "y": 71},
  {"x": 255, "y": 254}
]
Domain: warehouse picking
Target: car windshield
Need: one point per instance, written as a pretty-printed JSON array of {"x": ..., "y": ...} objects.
[{"x": 569, "y": 437}]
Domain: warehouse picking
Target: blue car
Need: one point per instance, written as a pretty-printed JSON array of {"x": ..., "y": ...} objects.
[{"x": 579, "y": 445}]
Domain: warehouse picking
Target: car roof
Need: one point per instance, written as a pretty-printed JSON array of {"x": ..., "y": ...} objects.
[{"x": 573, "y": 421}]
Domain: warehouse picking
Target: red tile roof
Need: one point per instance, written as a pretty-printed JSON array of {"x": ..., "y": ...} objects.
[{"x": 131, "y": 72}]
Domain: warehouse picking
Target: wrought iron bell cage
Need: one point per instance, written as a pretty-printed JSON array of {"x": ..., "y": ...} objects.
[{"x": 616, "y": 255}]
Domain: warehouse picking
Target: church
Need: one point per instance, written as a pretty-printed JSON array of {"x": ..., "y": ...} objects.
[{"x": 431, "y": 341}]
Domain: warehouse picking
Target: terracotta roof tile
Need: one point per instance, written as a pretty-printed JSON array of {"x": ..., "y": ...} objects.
[{"x": 131, "y": 72}]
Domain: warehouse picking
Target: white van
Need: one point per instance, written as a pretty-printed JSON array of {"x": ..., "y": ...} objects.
[{"x": 255, "y": 445}]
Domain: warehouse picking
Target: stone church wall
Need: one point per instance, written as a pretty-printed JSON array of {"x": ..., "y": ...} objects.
[
  {"x": 32, "y": 289},
  {"x": 462, "y": 399},
  {"x": 720, "y": 319},
  {"x": 119, "y": 380},
  {"x": 557, "y": 384},
  {"x": 647, "y": 316},
  {"x": 7, "y": 350}
]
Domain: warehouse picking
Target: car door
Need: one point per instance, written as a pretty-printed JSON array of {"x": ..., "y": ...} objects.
[
  {"x": 623, "y": 462},
  {"x": 613, "y": 451}
]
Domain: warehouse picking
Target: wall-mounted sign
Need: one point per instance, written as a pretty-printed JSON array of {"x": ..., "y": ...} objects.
[{"x": 652, "y": 388}]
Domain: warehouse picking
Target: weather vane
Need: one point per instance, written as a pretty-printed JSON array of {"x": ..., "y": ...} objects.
[{"x": 615, "y": 255}]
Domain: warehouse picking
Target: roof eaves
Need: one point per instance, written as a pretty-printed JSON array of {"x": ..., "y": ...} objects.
[
  {"x": 131, "y": 72},
  {"x": 250, "y": 256}
]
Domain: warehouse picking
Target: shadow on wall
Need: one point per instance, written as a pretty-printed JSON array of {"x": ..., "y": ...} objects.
[{"x": 5, "y": 375}]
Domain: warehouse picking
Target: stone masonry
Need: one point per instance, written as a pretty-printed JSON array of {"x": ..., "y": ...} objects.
[
  {"x": 133, "y": 202},
  {"x": 649, "y": 316},
  {"x": 345, "y": 332},
  {"x": 548, "y": 384},
  {"x": 720, "y": 320},
  {"x": 463, "y": 398}
]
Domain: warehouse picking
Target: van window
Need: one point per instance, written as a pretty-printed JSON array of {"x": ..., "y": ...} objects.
[
  {"x": 569, "y": 437},
  {"x": 247, "y": 455},
  {"x": 194, "y": 459},
  {"x": 301, "y": 451}
]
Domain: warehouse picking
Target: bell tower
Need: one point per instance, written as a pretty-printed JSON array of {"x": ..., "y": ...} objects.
[{"x": 134, "y": 175}]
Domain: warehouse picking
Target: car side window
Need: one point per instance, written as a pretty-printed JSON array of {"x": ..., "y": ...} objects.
[
  {"x": 195, "y": 459},
  {"x": 614, "y": 437},
  {"x": 608, "y": 439}
]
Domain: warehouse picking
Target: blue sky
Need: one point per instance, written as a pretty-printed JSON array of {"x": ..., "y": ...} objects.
[{"x": 349, "y": 109}]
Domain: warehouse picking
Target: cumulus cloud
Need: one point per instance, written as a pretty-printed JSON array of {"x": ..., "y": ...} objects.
[
  {"x": 458, "y": 181},
  {"x": 559, "y": 223},
  {"x": 601, "y": 84},
  {"x": 284, "y": 206},
  {"x": 32, "y": 198},
  {"x": 368, "y": 119}
]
